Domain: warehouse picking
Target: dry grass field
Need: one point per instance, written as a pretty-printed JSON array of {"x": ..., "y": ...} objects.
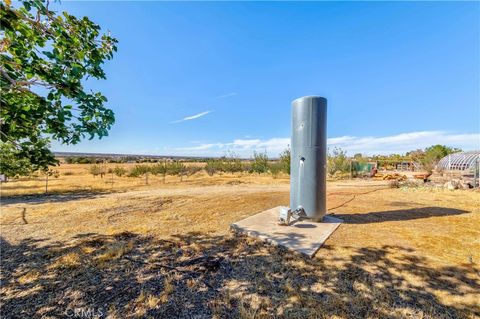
[{"x": 164, "y": 250}]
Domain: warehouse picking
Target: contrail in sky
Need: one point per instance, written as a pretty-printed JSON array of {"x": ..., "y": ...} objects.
[
  {"x": 192, "y": 117},
  {"x": 225, "y": 95}
]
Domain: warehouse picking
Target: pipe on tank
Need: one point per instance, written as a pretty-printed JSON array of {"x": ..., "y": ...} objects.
[{"x": 309, "y": 156}]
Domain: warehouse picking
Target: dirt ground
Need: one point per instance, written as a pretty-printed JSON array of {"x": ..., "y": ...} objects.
[{"x": 165, "y": 251}]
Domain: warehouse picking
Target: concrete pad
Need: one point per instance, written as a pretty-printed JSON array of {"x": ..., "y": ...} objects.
[{"x": 304, "y": 236}]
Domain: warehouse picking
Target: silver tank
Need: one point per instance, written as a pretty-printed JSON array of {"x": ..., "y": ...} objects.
[{"x": 309, "y": 156}]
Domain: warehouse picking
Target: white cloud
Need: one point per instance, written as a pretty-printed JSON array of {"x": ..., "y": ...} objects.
[
  {"x": 405, "y": 142},
  {"x": 192, "y": 117},
  {"x": 370, "y": 145},
  {"x": 226, "y": 95}
]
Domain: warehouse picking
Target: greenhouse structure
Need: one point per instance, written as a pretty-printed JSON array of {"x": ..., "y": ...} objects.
[{"x": 462, "y": 161}]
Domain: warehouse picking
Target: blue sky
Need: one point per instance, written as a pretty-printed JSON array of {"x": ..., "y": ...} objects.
[{"x": 204, "y": 78}]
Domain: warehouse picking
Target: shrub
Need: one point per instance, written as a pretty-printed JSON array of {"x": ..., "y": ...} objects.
[
  {"x": 97, "y": 170},
  {"x": 213, "y": 166},
  {"x": 139, "y": 170},
  {"x": 159, "y": 169},
  {"x": 338, "y": 175},
  {"x": 285, "y": 160},
  {"x": 192, "y": 170},
  {"x": 182, "y": 170},
  {"x": 260, "y": 162},
  {"x": 175, "y": 168},
  {"x": 119, "y": 171},
  {"x": 232, "y": 163},
  {"x": 276, "y": 168},
  {"x": 247, "y": 167},
  {"x": 228, "y": 164},
  {"x": 394, "y": 184},
  {"x": 431, "y": 155},
  {"x": 210, "y": 169},
  {"x": 337, "y": 161},
  {"x": 84, "y": 160}
]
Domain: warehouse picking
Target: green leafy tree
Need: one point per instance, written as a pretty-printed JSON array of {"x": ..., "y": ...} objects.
[
  {"x": 260, "y": 162},
  {"x": 140, "y": 170},
  {"x": 337, "y": 161},
  {"x": 94, "y": 170},
  {"x": 119, "y": 171},
  {"x": 98, "y": 170},
  {"x": 285, "y": 160},
  {"x": 247, "y": 167},
  {"x": 70, "y": 160},
  {"x": 431, "y": 155},
  {"x": 45, "y": 59},
  {"x": 192, "y": 170},
  {"x": 214, "y": 166},
  {"x": 160, "y": 169},
  {"x": 11, "y": 164},
  {"x": 176, "y": 168},
  {"x": 49, "y": 173},
  {"x": 233, "y": 163},
  {"x": 182, "y": 171},
  {"x": 275, "y": 169},
  {"x": 14, "y": 163}
]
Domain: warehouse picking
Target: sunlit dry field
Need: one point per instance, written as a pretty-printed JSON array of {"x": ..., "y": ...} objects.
[{"x": 164, "y": 250}]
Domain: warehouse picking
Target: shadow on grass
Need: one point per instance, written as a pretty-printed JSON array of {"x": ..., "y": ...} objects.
[
  {"x": 55, "y": 197},
  {"x": 399, "y": 215},
  {"x": 128, "y": 275}
]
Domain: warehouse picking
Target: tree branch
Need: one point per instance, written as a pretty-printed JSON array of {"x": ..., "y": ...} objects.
[{"x": 6, "y": 76}]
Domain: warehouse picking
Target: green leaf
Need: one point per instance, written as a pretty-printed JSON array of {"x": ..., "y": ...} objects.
[{"x": 49, "y": 54}]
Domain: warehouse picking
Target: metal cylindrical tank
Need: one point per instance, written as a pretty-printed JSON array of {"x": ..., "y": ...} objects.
[{"x": 309, "y": 156}]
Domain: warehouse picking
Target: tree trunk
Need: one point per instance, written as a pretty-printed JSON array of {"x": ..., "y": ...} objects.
[{"x": 46, "y": 184}]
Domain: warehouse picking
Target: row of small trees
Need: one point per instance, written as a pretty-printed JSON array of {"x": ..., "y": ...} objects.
[
  {"x": 119, "y": 160},
  {"x": 233, "y": 164},
  {"x": 259, "y": 164},
  {"x": 226, "y": 164},
  {"x": 143, "y": 170}
]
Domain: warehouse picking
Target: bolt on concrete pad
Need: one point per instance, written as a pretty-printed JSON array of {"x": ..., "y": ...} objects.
[{"x": 304, "y": 236}]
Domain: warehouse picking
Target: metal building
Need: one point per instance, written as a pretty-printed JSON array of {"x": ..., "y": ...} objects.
[{"x": 462, "y": 161}]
